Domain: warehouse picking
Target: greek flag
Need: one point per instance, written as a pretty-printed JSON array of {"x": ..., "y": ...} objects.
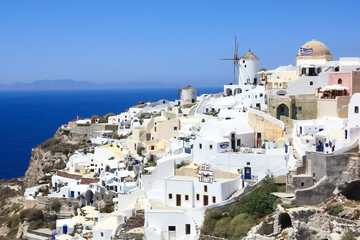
[{"x": 306, "y": 51}]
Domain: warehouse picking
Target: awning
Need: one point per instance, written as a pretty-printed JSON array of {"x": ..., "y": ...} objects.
[{"x": 334, "y": 87}]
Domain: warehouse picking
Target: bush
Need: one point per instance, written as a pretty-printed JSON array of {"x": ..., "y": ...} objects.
[
  {"x": 222, "y": 228},
  {"x": 241, "y": 225},
  {"x": 36, "y": 224},
  {"x": 31, "y": 215},
  {"x": 348, "y": 236},
  {"x": 108, "y": 208},
  {"x": 235, "y": 220},
  {"x": 116, "y": 136},
  {"x": 52, "y": 225},
  {"x": 55, "y": 205},
  {"x": 210, "y": 221},
  {"x": 13, "y": 221},
  {"x": 334, "y": 210},
  {"x": 260, "y": 205},
  {"x": 50, "y": 143},
  {"x": 76, "y": 206},
  {"x": 139, "y": 150}
]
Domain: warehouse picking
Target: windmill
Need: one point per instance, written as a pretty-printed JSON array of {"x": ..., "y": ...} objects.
[{"x": 235, "y": 59}]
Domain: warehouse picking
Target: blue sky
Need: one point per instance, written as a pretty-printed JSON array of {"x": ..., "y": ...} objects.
[{"x": 178, "y": 42}]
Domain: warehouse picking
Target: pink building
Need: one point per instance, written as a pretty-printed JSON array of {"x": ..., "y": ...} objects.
[{"x": 350, "y": 80}]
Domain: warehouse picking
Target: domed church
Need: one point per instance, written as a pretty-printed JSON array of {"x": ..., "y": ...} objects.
[{"x": 310, "y": 54}]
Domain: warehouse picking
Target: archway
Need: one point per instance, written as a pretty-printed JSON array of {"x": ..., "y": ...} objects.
[
  {"x": 284, "y": 221},
  {"x": 228, "y": 92},
  {"x": 237, "y": 91},
  {"x": 352, "y": 191},
  {"x": 282, "y": 110},
  {"x": 89, "y": 197}
]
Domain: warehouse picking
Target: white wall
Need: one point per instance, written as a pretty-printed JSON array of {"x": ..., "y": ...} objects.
[
  {"x": 353, "y": 117},
  {"x": 157, "y": 224},
  {"x": 276, "y": 162}
]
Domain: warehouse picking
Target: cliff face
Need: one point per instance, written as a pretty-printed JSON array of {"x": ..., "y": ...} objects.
[{"x": 48, "y": 157}]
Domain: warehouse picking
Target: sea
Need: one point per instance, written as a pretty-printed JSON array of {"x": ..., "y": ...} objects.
[{"x": 28, "y": 118}]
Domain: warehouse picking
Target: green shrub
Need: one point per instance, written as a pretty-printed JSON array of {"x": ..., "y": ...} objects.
[
  {"x": 52, "y": 225},
  {"x": 334, "y": 210},
  {"x": 13, "y": 221},
  {"x": 241, "y": 225},
  {"x": 260, "y": 205},
  {"x": 235, "y": 220},
  {"x": 116, "y": 136},
  {"x": 31, "y": 215},
  {"x": 36, "y": 224},
  {"x": 222, "y": 228},
  {"x": 50, "y": 143},
  {"x": 76, "y": 206},
  {"x": 210, "y": 221},
  {"x": 55, "y": 205},
  {"x": 348, "y": 236},
  {"x": 109, "y": 207}
]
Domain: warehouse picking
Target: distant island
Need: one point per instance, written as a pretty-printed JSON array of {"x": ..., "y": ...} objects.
[{"x": 68, "y": 84}]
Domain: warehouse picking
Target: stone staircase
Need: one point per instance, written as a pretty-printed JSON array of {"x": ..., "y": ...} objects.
[{"x": 299, "y": 162}]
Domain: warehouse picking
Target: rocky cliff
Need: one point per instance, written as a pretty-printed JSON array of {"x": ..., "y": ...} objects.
[{"x": 50, "y": 156}]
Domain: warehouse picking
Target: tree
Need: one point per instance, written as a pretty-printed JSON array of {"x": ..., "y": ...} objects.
[{"x": 55, "y": 205}]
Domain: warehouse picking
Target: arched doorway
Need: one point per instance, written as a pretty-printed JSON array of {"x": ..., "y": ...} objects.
[
  {"x": 352, "y": 191},
  {"x": 237, "y": 91},
  {"x": 228, "y": 92},
  {"x": 282, "y": 110},
  {"x": 89, "y": 197},
  {"x": 285, "y": 221}
]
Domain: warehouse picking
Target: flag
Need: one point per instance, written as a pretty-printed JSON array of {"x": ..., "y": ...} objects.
[{"x": 306, "y": 51}]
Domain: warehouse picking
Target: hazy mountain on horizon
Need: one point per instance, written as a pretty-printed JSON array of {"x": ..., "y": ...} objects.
[{"x": 68, "y": 84}]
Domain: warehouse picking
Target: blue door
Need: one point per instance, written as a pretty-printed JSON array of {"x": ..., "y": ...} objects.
[
  {"x": 65, "y": 229},
  {"x": 72, "y": 194}
]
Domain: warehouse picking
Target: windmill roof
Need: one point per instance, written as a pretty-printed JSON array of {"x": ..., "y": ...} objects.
[{"x": 249, "y": 56}]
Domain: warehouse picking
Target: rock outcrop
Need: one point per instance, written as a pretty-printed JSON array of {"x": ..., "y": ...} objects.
[
  {"x": 48, "y": 157},
  {"x": 313, "y": 222}
]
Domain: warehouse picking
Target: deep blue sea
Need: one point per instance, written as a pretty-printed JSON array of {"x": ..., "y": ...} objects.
[{"x": 30, "y": 117}]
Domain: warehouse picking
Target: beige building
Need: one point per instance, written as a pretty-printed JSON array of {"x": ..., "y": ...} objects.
[{"x": 155, "y": 135}]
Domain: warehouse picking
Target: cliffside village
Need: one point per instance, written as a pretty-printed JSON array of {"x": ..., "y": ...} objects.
[{"x": 173, "y": 160}]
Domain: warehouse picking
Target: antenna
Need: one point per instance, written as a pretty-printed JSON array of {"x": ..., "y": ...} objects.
[{"x": 235, "y": 59}]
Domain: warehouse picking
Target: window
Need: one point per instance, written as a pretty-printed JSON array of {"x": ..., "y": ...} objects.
[
  {"x": 152, "y": 147},
  {"x": 261, "y": 94},
  {"x": 356, "y": 109},
  {"x": 214, "y": 199},
  {"x": 339, "y": 81},
  {"x": 210, "y": 146},
  {"x": 205, "y": 188},
  {"x": 170, "y": 196},
  {"x": 186, "y": 197},
  {"x": 302, "y": 184},
  {"x": 238, "y": 142},
  {"x": 311, "y": 83},
  {"x": 172, "y": 228},
  {"x": 175, "y": 128},
  {"x": 197, "y": 197},
  {"x": 155, "y": 129},
  {"x": 102, "y": 234},
  {"x": 187, "y": 228},
  {"x": 298, "y": 110},
  {"x": 200, "y": 146},
  {"x": 243, "y": 61},
  {"x": 245, "y": 66}
]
